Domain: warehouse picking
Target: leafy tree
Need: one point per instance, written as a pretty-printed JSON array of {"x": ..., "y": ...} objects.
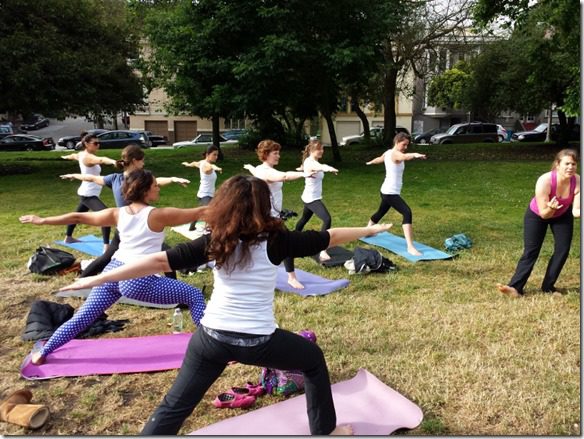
[
  {"x": 449, "y": 88},
  {"x": 65, "y": 57}
]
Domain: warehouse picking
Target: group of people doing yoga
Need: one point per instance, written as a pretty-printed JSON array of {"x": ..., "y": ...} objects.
[{"x": 247, "y": 240}]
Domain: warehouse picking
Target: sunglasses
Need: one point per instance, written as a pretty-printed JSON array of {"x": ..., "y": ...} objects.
[{"x": 94, "y": 143}]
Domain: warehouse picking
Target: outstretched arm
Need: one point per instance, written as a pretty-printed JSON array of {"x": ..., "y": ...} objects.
[
  {"x": 376, "y": 160},
  {"x": 341, "y": 235},
  {"x": 92, "y": 160},
  {"x": 103, "y": 218},
  {"x": 149, "y": 264},
  {"x": 173, "y": 216},
  {"x": 399, "y": 156},
  {"x": 73, "y": 156},
  {"x": 315, "y": 166},
  {"x": 273, "y": 175},
  {"x": 97, "y": 179},
  {"x": 165, "y": 181}
]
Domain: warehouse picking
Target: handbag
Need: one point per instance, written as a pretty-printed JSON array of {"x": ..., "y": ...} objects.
[{"x": 49, "y": 261}]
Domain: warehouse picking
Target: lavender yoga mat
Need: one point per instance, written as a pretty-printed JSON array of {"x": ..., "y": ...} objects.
[
  {"x": 370, "y": 406},
  {"x": 108, "y": 356},
  {"x": 313, "y": 285}
]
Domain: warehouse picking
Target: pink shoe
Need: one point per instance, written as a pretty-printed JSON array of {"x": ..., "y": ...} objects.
[
  {"x": 249, "y": 389},
  {"x": 233, "y": 401}
]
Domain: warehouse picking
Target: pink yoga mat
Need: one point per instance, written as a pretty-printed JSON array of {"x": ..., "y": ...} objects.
[
  {"x": 106, "y": 356},
  {"x": 370, "y": 406}
]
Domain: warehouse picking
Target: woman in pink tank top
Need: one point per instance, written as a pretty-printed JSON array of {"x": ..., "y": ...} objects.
[{"x": 556, "y": 204}]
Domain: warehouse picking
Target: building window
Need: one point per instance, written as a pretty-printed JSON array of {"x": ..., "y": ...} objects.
[{"x": 234, "y": 124}]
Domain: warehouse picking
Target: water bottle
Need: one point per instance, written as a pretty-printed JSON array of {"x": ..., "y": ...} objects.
[{"x": 177, "y": 321}]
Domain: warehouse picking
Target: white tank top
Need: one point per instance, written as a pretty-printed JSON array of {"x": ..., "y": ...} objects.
[
  {"x": 243, "y": 300},
  {"x": 394, "y": 174},
  {"x": 88, "y": 188},
  {"x": 207, "y": 185},
  {"x": 136, "y": 238},
  {"x": 275, "y": 189},
  {"x": 312, "y": 185}
]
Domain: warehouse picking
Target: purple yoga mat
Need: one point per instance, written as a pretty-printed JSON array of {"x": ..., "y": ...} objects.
[
  {"x": 313, "y": 285},
  {"x": 370, "y": 406},
  {"x": 107, "y": 356}
]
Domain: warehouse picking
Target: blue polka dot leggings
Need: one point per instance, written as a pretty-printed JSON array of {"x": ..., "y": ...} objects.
[{"x": 151, "y": 289}]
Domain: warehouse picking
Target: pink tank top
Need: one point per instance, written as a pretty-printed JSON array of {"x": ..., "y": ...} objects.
[{"x": 565, "y": 202}]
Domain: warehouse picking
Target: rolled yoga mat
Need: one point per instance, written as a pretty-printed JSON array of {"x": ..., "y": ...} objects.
[
  {"x": 313, "y": 285},
  {"x": 83, "y": 293},
  {"x": 106, "y": 356},
  {"x": 89, "y": 244},
  {"x": 369, "y": 405},
  {"x": 397, "y": 245}
]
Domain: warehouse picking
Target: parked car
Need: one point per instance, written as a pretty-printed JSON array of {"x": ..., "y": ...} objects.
[
  {"x": 502, "y": 133},
  {"x": 203, "y": 140},
  {"x": 26, "y": 142},
  {"x": 121, "y": 139},
  {"x": 374, "y": 131},
  {"x": 424, "y": 137},
  {"x": 70, "y": 142},
  {"x": 474, "y": 132},
  {"x": 233, "y": 134},
  {"x": 156, "y": 139},
  {"x": 35, "y": 122},
  {"x": 6, "y": 130},
  {"x": 538, "y": 134}
]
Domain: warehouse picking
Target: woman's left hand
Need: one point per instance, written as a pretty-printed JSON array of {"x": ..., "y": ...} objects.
[{"x": 554, "y": 204}]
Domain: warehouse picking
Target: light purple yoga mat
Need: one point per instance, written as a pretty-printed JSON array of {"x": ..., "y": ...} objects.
[
  {"x": 108, "y": 356},
  {"x": 370, "y": 406},
  {"x": 313, "y": 285}
]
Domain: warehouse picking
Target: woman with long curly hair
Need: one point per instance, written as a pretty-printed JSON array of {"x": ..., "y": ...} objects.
[{"x": 248, "y": 244}]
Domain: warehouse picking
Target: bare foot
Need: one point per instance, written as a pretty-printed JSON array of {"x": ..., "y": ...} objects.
[
  {"x": 324, "y": 256},
  {"x": 343, "y": 430},
  {"x": 294, "y": 283},
  {"x": 414, "y": 251},
  {"x": 509, "y": 291},
  {"x": 105, "y": 247},
  {"x": 37, "y": 358},
  {"x": 70, "y": 239},
  {"x": 370, "y": 223}
]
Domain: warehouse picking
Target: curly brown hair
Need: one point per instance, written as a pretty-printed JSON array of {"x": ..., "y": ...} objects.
[
  {"x": 239, "y": 214},
  {"x": 136, "y": 185},
  {"x": 265, "y": 147}
]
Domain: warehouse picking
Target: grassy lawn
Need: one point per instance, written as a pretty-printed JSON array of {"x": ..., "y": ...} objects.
[{"x": 476, "y": 362}]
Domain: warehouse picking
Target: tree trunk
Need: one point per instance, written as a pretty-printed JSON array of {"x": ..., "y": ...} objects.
[
  {"x": 334, "y": 144},
  {"x": 216, "y": 141},
  {"x": 361, "y": 115},
  {"x": 564, "y": 130},
  {"x": 389, "y": 114},
  {"x": 116, "y": 127},
  {"x": 548, "y": 134}
]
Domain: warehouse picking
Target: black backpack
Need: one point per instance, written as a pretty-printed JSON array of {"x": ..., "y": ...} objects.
[
  {"x": 47, "y": 260},
  {"x": 369, "y": 261}
]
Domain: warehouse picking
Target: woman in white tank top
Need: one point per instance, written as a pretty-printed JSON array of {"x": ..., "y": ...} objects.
[
  {"x": 312, "y": 194},
  {"x": 208, "y": 174},
  {"x": 89, "y": 192},
  {"x": 391, "y": 188},
  {"x": 268, "y": 152},
  {"x": 141, "y": 229}
]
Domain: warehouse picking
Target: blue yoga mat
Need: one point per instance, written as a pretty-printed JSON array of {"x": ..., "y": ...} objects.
[
  {"x": 313, "y": 285},
  {"x": 397, "y": 245},
  {"x": 92, "y": 245}
]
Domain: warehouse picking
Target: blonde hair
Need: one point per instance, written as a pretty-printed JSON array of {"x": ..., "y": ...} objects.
[{"x": 312, "y": 146}]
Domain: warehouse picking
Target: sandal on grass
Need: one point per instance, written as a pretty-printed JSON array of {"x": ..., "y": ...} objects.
[{"x": 233, "y": 401}]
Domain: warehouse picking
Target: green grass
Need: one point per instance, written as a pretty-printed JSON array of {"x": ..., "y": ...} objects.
[{"x": 438, "y": 332}]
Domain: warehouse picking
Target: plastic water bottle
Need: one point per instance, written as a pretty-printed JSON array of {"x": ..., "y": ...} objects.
[{"x": 177, "y": 321}]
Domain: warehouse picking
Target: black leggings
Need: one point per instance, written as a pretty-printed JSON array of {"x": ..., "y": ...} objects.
[
  {"x": 85, "y": 205},
  {"x": 207, "y": 357},
  {"x": 398, "y": 203},
  {"x": 100, "y": 263},
  {"x": 317, "y": 208},
  {"x": 534, "y": 231}
]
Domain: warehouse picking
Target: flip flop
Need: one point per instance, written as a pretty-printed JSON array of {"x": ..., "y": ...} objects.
[{"x": 233, "y": 400}]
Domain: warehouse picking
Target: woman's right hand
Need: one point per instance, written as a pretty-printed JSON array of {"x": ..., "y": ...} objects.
[
  {"x": 67, "y": 177},
  {"x": 82, "y": 283},
  {"x": 30, "y": 219},
  {"x": 554, "y": 204}
]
